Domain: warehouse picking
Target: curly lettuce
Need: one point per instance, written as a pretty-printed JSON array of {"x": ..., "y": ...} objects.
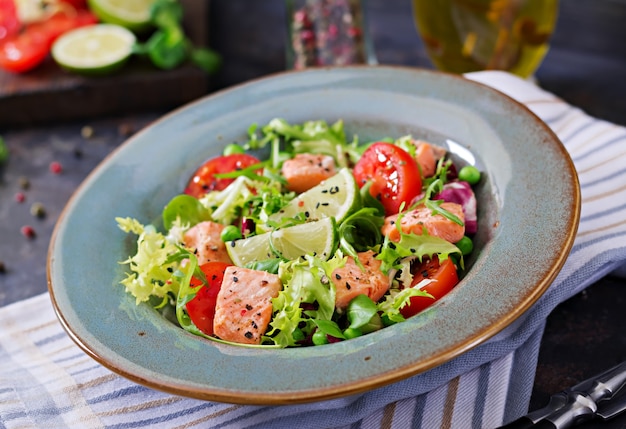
[{"x": 150, "y": 267}]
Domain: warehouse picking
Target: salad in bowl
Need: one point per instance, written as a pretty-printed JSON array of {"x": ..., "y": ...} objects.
[{"x": 303, "y": 236}]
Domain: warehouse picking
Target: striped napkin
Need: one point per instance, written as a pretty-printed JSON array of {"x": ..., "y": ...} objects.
[{"x": 48, "y": 382}]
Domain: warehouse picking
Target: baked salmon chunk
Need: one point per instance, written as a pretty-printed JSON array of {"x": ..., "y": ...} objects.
[
  {"x": 427, "y": 156},
  {"x": 351, "y": 281},
  {"x": 307, "y": 170},
  {"x": 204, "y": 239},
  {"x": 420, "y": 218},
  {"x": 244, "y": 304}
]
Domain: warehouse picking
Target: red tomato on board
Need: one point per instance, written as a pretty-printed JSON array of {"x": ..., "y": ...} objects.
[
  {"x": 201, "y": 308},
  {"x": 204, "y": 179},
  {"x": 78, "y": 4},
  {"x": 9, "y": 22},
  {"x": 28, "y": 48},
  {"x": 445, "y": 278},
  {"x": 394, "y": 174}
]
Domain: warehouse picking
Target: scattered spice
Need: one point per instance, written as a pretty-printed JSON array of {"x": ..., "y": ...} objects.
[
  {"x": 86, "y": 132},
  {"x": 125, "y": 129},
  {"x": 24, "y": 182},
  {"x": 78, "y": 153},
  {"x": 56, "y": 167},
  {"x": 28, "y": 231},
  {"x": 38, "y": 210},
  {"x": 20, "y": 197},
  {"x": 3, "y": 268}
]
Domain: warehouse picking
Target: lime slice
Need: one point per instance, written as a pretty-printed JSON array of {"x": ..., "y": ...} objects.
[
  {"x": 337, "y": 197},
  {"x": 312, "y": 238},
  {"x": 96, "y": 49},
  {"x": 132, "y": 14}
]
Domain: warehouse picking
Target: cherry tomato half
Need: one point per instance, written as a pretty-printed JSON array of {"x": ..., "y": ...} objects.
[
  {"x": 445, "y": 278},
  {"x": 201, "y": 308},
  {"x": 204, "y": 179},
  {"x": 394, "y": 174},
  {"x": 28, "y": 48}
]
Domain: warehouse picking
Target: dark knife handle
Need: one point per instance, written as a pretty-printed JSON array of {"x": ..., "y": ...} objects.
[
  {"x": 544, "y": 424},
  {"x": 521, "y": 423},
  {"x": 526, "y": 423}
]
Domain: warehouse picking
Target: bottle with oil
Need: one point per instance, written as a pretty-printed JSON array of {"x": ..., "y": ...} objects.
[{"x": 470, "y": 35}]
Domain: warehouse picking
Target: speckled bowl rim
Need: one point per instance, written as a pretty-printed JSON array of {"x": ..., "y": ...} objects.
[{"x": 377, "y": 376}]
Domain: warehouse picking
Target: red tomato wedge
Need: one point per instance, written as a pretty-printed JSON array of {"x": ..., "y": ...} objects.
[
  {"x": 444, "y": 276},
  {"x": 28, "y": 48},
  {"x": 394, "y": 174},
  {"x": 204, "y": 179},
  {"x": 201, "y": 308}
]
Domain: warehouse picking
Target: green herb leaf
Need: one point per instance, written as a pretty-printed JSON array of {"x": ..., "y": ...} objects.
[
  {"x": 361, "y": 310},
  {"x": 4, "y": 151},
  {"x": 187, "y": 209},
  {"x": 207, "y": 59},
  {"x": 329, "y": 327}
]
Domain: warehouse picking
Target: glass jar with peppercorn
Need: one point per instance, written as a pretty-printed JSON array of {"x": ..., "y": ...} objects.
[{"x": 327, "y": 33}]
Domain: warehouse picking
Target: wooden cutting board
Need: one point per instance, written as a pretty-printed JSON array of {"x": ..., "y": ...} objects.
[{"x": 49, "y": 94}]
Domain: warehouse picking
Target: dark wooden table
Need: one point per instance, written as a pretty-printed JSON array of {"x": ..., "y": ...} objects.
[{"x": 586, "y": 66}]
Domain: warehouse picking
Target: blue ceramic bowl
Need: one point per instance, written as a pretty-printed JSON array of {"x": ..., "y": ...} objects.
[{"x": 529, "y": 206}]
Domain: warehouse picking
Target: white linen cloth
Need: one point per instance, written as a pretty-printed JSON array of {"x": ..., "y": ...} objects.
[{"x": 46, "y": 381}]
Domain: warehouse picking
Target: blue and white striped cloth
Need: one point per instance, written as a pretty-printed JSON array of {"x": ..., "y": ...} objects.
[{"x": 48, "y": 382}]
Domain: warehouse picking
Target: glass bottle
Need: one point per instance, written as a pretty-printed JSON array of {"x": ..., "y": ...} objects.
[{"x": 327, "y": 33}]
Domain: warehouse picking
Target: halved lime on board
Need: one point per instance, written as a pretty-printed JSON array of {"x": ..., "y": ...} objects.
[
  {"x": 337, "y": 197},
  {"x": 131, "y": 14},
  {"x": 96, "y": 49},
  {"x": 317, "y": 238}
]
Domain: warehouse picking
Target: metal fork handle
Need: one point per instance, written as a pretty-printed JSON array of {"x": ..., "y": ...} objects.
[{"x": 580, "y": 407}]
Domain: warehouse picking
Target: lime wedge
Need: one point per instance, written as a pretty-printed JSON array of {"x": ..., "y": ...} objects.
[
  {"x": 337, "y": 197},
  {"x": 312, "y": 238},
  {"x": 96, "y": 49},
  {"x": 132, "y": 14}
]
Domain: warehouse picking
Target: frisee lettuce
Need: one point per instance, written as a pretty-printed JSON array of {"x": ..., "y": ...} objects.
[
  {"x": 151, "y": 270},
  {"x": 305, "y": 280}
]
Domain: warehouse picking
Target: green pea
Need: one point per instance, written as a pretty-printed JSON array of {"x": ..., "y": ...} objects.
[
  {"x": 319, "y": 338},
  {"x": 352, "y": 333},
  {"x": 232, "y": 149},
  {"x": 469, "y": 174},
  {"x": 230, "y": 233},
  {"x": 298, "y": 334},
  {"x": 465, "y": 245}
]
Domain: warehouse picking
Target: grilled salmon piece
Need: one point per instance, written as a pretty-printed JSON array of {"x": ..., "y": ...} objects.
[
  {"x": 206, "y": 242},
  {"x": 351, "y": 281},
  {"x": 244, "y": 304},
  {"x": 421, "y": 217},
  {"x": 306, "y": 170},
  {"x": 427, "y": 156}
]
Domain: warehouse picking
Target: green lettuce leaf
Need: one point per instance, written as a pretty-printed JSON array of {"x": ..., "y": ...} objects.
[{"x": 151, "y": 269}]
